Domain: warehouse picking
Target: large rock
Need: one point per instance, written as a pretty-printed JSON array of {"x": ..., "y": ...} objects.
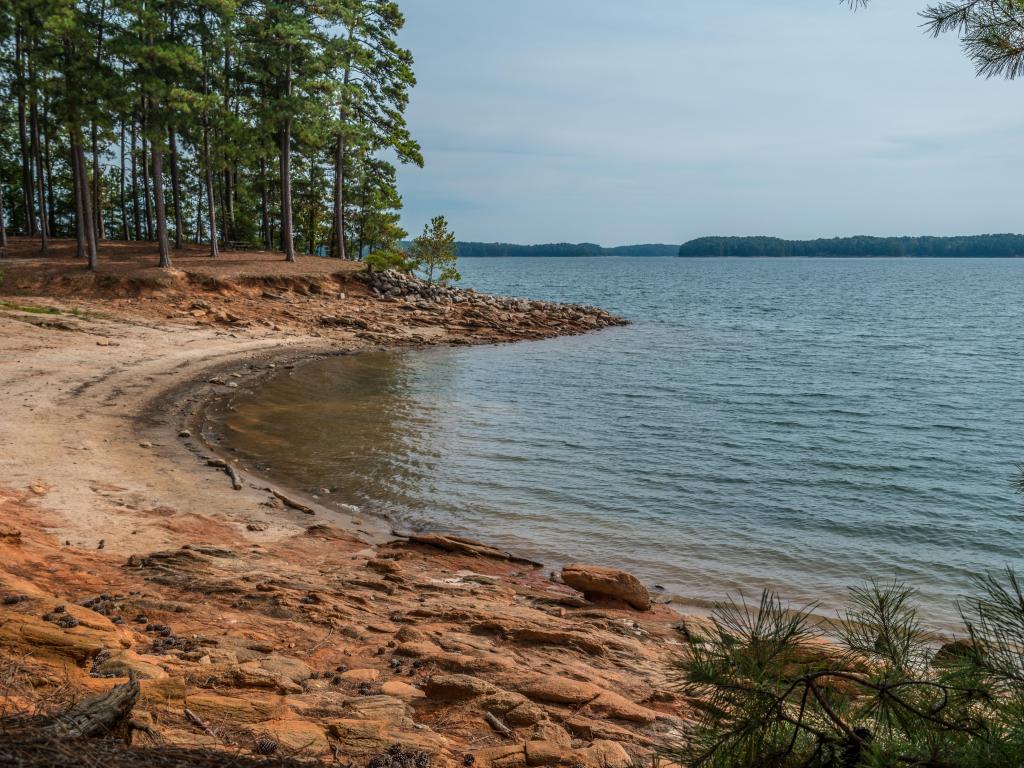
[
  {"x": 617, "y": 707},
  {"x": 43, "y": 638},
  {"x": 510, "y": 756},
  {"x": 216, "y": 710},
  {"x": 596, "y": 582},
  {"x": 514, "y": 709},
  {"x": 297, "y": 736},
  {"x": 126, "y": 664},
  {"x": 361, "y": 675},
  {"x": 562, "y": 690},
  {"x": 604, "y": 754},
  {"x": 401, "y": 690},
  {"x": 250, "y": 674},
  {"x": 366, "y": 737},
  {"x": 557, "y": 690},
  {"x": 286, "y": 666},
  {"x": 457, "y": 687}
]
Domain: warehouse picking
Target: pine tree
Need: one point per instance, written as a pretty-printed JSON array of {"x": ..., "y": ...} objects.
[
  {"x": 434, "y": 252},
  {"x": 373, "y": 78},
  {"x": 127, "y": 117}
]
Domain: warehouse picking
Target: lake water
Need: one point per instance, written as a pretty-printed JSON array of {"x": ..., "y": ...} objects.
[{"x": 795, "y": 424}]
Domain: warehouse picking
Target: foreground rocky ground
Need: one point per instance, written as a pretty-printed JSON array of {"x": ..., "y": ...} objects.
[{"x": 256, "y": 620}]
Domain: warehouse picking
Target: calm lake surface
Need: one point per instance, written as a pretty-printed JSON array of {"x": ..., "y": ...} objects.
[{"x": 795, "y": 424}]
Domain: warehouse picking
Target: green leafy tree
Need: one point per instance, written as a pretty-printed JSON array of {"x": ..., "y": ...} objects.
[{"x": 434, "y": 252}]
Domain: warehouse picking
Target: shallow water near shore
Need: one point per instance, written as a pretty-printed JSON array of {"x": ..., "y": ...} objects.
[{"x": 800, "y": 425}]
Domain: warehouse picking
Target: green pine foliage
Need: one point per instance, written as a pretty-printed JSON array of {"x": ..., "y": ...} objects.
[
  {"x": 274, "y": 123},
  {"x": 991, "y": 32},
  {"x": 434, "y": 252},
  {"x": 779, "y": 687}
]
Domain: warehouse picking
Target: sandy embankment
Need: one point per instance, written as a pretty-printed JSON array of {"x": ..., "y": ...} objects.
[{"x": 254, "y": 617}]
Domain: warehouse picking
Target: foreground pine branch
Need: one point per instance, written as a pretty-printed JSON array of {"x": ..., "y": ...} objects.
[{"x": 778, "y": 687}]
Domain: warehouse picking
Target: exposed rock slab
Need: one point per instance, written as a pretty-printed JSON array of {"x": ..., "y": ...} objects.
[{"x": 596, "y": 582}]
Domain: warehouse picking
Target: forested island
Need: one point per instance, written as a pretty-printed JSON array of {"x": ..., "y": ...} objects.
[
  {"x": 563, "y": 249},
  {"x": 967, "y": 246}
]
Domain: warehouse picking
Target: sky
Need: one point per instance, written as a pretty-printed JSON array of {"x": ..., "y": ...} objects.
[{"x": 662, "y": 120}]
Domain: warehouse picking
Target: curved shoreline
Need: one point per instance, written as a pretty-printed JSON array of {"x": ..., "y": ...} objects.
[
  {"x": 310, "y": 628},
  {"x": 199, "y": 419},
  {"x": 102, "y": 485}
]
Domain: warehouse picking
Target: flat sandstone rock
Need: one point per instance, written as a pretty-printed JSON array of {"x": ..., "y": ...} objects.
[{"x": 607, "y": 583}]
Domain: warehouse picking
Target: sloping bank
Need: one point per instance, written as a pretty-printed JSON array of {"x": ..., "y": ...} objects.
[{"x": 255, "y": 619}]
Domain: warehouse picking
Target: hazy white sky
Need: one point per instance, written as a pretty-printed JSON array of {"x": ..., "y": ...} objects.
[{"x": 661, "y": 120}]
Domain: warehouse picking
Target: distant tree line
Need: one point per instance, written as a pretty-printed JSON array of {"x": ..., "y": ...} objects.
[
  {"x": 969, "y": 246},
  {"x": 256, "y": 122},
  {"x": 562, "y": 249}
]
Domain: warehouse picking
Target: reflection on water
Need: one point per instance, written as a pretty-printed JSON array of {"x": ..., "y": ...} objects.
[
  {"x": 350, "y": 424},
  {"x": 802, "y": 425}
]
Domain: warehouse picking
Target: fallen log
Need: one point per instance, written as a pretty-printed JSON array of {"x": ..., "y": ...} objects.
[
  {"x": 95, "y": 716},
  {"x": 290, "y": 502},
  {"x": 236, "y": 480},
  {"x": 497, "y": 725}
]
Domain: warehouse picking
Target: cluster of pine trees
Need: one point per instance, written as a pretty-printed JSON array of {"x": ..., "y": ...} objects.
[{"x": 229, "y": 122}]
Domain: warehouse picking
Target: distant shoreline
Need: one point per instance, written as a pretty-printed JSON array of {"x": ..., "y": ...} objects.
[{"x": 1000, "y": 246}]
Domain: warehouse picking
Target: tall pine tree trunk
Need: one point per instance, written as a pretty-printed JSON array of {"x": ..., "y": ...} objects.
[
  {"x": 120, "y": 190},
  {"x": 163, "y": 244},
  {"x": 175, "y": 187},
  {"x": 198, "y": 232},
  {"x": 97, "y": 200},
  {"x": 87, "y": 216},
  {"x": 224, "y": 179},
  {"x": 338, "y": 246},
  {"x": 136, "y": 218},
  {"x": 287, "y": 241},
  {"x": 211, "y": 204},
  {"x": 37, "y": 153},
  {"x": 97, "y": 171},
  {"x": 3, "y": 222},
  {"x": 76, "y": 189},
  {"x": 265, "y": 207},
  {"x": 228, "y": 207},
  {"x": 314, "y": 204},
  {"x": 27, "y": 187},
  {"x": 51, "y": 216},
  {"x": 147, "y": 208}
]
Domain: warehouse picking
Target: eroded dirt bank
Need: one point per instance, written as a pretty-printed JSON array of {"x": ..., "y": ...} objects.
[{"x": 248, "y": 620}]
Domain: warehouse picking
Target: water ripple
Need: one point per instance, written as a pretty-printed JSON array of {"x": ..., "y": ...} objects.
[{"x": 800, "y": 425}]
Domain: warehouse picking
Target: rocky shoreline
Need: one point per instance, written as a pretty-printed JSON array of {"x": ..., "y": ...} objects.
[{"x": 256, "y": 620}]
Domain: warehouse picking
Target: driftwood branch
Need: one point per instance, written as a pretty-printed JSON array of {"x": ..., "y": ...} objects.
[
  {"x": 197, "y": 721},
  {"x": 98, "y": 715},
  {"x": 236, "y": 480},
  {"x": 497, "y": 725},
  {"x": 290, "y": 502}
]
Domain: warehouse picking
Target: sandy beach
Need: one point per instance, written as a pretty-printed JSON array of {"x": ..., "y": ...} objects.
[{"x": 256, "y": 612}]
